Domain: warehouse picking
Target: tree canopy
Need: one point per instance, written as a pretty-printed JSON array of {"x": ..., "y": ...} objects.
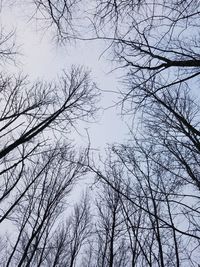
[{"x": 143, "y": 207}]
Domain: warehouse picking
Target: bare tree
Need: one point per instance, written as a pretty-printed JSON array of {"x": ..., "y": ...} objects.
[
  {"x": 27, "y": 114},
  {"x": 38, "y": 163},
  {"x": 59, "y": 17},
  {"x": 158, "y": 45},
  {"x": 109, "y": 244},
  {"x": 148, "y": 214},
  {"x": 157, "y": 41},
  {"x": 71, "y": 237},
  {"x": 160, "y": 215},
  {"x": 36, "y": 241}
]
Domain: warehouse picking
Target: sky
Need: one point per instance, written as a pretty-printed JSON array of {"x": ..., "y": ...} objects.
[{"x": 42, "y": 58}]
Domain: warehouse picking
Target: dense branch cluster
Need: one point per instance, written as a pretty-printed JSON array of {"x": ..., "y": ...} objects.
[{"x": 144, "y": 207}]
